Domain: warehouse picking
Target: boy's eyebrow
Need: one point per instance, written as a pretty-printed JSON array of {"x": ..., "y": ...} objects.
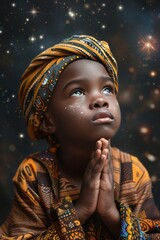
[
  {"x": 84, "y": 80},
  {"x": 80, "y": 80}
]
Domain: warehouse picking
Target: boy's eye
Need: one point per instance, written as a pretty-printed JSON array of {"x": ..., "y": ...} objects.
[
  {"x": 77, "y": 92},
  {"x": 107, "y": 90}
]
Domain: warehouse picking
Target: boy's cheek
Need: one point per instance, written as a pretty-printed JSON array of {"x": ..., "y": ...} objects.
[{"x": 75, "y": 110}]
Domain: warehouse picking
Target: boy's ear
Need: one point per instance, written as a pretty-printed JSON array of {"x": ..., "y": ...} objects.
[{"x": 48, "y": 125}]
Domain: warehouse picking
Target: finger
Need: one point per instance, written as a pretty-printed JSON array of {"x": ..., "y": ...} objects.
[
  {"x": 105, "y": 143},
  {"x": 105, "y": 152},
  {"x": 104, "y": 146},
  {"x": 96, "y": 154},
  {"x": 94, "y": 171},
  {"x": 107, "y": 175},
  {"x": 108, "y": 166},
  {"x": 99, "y": 144}
]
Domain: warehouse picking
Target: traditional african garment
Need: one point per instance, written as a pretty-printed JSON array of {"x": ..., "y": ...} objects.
[
  {"x": 44, "y": 202},
  {"x": 40, "y": 78}
]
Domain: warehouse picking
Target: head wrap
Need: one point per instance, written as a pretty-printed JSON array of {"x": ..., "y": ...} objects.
[{"x": 39, "y": 79}]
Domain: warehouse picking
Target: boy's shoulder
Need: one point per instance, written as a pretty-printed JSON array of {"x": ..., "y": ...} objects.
[
  {"x": 124, "y": 157},
  {"x": 37, "y": 176},
  {"x": 128, "y": 163},
  {"x": 39, "y": 162}
]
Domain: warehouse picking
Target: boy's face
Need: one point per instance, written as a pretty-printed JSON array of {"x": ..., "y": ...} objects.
[{"x": 84, "y": 106}]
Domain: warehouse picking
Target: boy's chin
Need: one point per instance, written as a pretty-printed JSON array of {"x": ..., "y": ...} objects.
[{"x": 106, "y": 134}]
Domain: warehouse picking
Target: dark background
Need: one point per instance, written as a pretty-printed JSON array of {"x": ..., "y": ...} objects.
[{"x": 132, "y": 29}]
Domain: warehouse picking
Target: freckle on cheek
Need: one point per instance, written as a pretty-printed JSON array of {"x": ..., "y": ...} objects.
[
  {"x": 74, "y": 109},
  {"x": 70, "y": 108}
]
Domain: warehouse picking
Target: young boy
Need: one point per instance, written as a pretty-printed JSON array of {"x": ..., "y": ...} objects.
[{"x": 81, "y": 187}]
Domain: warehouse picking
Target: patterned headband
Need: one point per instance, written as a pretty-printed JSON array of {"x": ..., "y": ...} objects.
[{"x": 40, "y": 78}]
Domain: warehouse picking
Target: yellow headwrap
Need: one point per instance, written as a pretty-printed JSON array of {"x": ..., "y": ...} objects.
[{"x": 39, "y": 79}]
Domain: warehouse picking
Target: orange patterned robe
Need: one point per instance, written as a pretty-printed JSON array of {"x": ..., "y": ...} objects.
[{"x": 44, "y": 202}]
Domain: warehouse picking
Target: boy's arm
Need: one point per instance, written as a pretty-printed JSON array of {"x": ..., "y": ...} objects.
[
  {"x": 35, "y": 215},
  {"x": 145, "y": 212},
  {"x": 61, "y": 228}
]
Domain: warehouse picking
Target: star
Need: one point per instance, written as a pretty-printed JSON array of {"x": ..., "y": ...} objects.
[
  {"x": 86, "y": 6},
  {"x": 41, "y": 36},
  {"x": 152, "y": 106},
  {"x": 153, "y": 73},
  {"x": 32, "y": 39},
  {"x": 71, "y": 14},
  {"x": 148, "y": 45},
  {"x": 120, "y": 7},
  {"x": 103, "y": 26},
  {"x": 144, "y": 130},
  {"x": 21, "y": 135},
  {"x": 150, "y": 157},
  {"x": 13, "y": 4},
  {"x": 33, "y": 12}
]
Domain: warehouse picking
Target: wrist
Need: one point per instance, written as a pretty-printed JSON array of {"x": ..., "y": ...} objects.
[
  {"x": 113, "y": 222},
  {"x": 82, "y": 213}
]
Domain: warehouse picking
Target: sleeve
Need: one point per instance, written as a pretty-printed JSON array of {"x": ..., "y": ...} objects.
[
  {"x": 145, "y": 206},
  {"x": 135, "y": 228},
  {"x": 143, "y": 220},
  {"x": 31, "y": 216}
]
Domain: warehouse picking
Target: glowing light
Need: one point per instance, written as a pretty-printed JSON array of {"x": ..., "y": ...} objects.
[
  {"x": 141, "y": 97},
  {"x": 21, "y": 135},
  {"x": 86, "y": 6},
  {"x": 32, "y": 39},
  {"x": 154, "y": 178},
  {"x": 120, "y": 7},
  {"x": 41, "y": 36},
  {"x": 67, "y": 22},
  {"x": 148, "y": 45},
  {"x": 13, "y": 4},
  {"x": 152, "y": 73},
  {"x": 71, "y": 14},
  {"x": 152, "y": 106},
  {"x": 103, "y": 26},
  {"x": 150, "y": 157},
  {"x": 33, "y": 12},
  {"x": 131, "y": 69},
  {"x": 156, "y": 91},
  {"x": 144, "y": 130},
  {"x": 126, "y": 96}
]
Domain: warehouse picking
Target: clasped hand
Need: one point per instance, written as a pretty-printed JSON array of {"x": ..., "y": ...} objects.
[{"x": 97, "y": 191}]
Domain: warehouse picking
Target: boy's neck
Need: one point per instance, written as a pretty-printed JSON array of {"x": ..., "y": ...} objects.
[{"x": 73, "y": 161}]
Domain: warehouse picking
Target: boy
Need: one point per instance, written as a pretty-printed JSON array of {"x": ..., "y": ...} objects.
[{"x": 81, "y": 187}]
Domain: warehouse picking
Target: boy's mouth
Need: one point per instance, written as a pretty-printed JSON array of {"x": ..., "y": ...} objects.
[{"x": 103, "y": 117}]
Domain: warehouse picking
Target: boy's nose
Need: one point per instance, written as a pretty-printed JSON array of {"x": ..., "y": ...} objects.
[{"x": 99, "y": 103}]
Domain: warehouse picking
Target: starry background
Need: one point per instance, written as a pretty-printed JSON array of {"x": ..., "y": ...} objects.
[{"x": 132, "y": 29}]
